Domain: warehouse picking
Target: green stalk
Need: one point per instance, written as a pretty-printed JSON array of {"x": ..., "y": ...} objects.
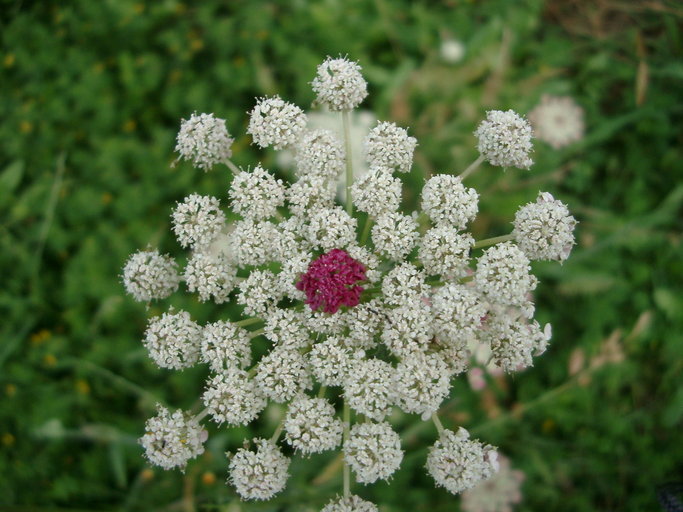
[
  {"x": 473, "y": 167},
  {"x": 492, "y": 241},
  {"x": 347, "y": 430},
  {"x": 349, "y": 164}
]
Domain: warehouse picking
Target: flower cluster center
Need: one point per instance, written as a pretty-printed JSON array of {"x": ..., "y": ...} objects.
[{"x": 331, "y": 281}]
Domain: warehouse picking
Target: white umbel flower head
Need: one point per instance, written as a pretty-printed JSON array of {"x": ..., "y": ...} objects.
[
  {"x": 331, "y": 362},
  {"x": 331, "y": 228},
  {"x": 282, "y": 374},
  {"x": 275, "y": 122},
  {"x": 339, "y": 84},
  {"x": 395, "y": 235},
  {"x": 448, "y": 202},
  {"x": 364, "y": 322},
  {"x": 171, "y": 440},
  {"x": 204, "y": 140},
  {"x": 253, "y": 243},
  {"x": 390, "y": 146},
  {"x": 370, "y": 388},
  {"x": 286, "y": 328},
  {"x": 260, "y": 474},
  {"x": 444, "y": 251},
  {"x": 225, "y": 345},
  {"x": 351, "y": 504},
  {"x": 458, "y": 313},
  {"x": 232, "y": 398},
  {"x": 197, "y": 221},
  {"x": 373, "y": 451},
  {"x": 149, "y": 275},
  {"x": 320, "y": 153},
  {"x": 310, "y": 194},
  {"x": 557, "y": 120},
  {"x": 256, "y": 194},
  {"x": 311, "y": 425},
  {"x": 210, "y": 276},
  {"x": 458, "y": 463},
  {"x": 377, "y": 192},
  {"x": 505, "y": 139},
  {"x": 408, "y": 328},
  {"x": 514, "y": 341},
  {"x": 173, "y": 340},
  {"x": 502, "y": 275},
  {"x": 544, "y": 230},
  {"x": 259, "y": 292},
  {"x": 422, "y": 383},
  {"x": 403, "y": 283}
]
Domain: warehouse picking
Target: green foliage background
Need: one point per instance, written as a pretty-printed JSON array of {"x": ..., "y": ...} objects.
[{"x": 91, "y": 94}]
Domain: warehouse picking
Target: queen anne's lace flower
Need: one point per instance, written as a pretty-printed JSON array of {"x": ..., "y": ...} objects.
[
  {"x": 148, "y": 275},
  {"x": 210, "y": 276},
  {"x": 557, "y": 120},
  {"x": 373, "y": 451},
  {"x": 544, "y": 230},
  {"x": 497, "y": 494},
  {"x": 503, "y": 275},
  {"x": 171, "y": 440},
  {"x": 352, "y": 503},
  {"x": 260, "y": 474},
  {"x": 339, "y": 84},
  {"x": 505, "y": 139},
  {"x": 388, "y": 322},
  {"x": 320, "y": 153},
  {"x": 311, "y": 425},
  {"x": 377, "y": 193},
  {"x": 256, "y": 194},
  {"x": 458, "y": 463},
  {"x": 388, "y": 145},
  {"x": 448, "y": 202},
  {"x": 276, "y": 123},
  {"x": 172, "y": 340},
  {"x": 204, "y": 140},
  {"x": 395, "y": 235},
  {"x": 232, "y": 398},
  {"x": 225, "y": 345}
]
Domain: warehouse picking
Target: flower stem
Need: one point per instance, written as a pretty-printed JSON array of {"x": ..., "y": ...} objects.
[
  {"x": 202, "y": 414},
  {"x": 278, "y": 431},
  {"x": 235, "y": 170},
  {"x": 321, "y": 391},
  {"x": 366, "y": 231},
  {"x": 492, "y": 241},
  {"x": 347, "y": 430},
  {"x": 349, "y": 164},
  {"x": 254, "y": 334},
  {"x": 473, "y": 167},
  {"x": 248, "y": 321},
  {"x": 438, "y": 424}
]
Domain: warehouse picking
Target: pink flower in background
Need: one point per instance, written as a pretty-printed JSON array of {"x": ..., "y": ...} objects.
[{"x": 331, "y": 281}]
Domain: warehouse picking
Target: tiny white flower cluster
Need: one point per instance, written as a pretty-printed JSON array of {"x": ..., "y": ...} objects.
[
  {"x": 385, "y": 305},
  {"x": 557, "y": 120}
]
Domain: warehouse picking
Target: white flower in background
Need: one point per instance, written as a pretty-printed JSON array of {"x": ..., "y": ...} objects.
[
  {"x": 497, "y": 494},
  {"x": 171, "y": 440},
  {"x": 277, "y": 123},
  {"x": 452, "y": 51},
  {"x": 204, "y": 140},
  {"x": 260, "y": 474},
  {"x": 458, "y": 463},
  {"x": 505, "y": 139},
  {"x": 149, "y": 275},
  {"x": 364, "y": 299},
  {"x": 544, "y": 230},
  {"x": 339, "y": 84},
  {"x": 557, "y": 120}
]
